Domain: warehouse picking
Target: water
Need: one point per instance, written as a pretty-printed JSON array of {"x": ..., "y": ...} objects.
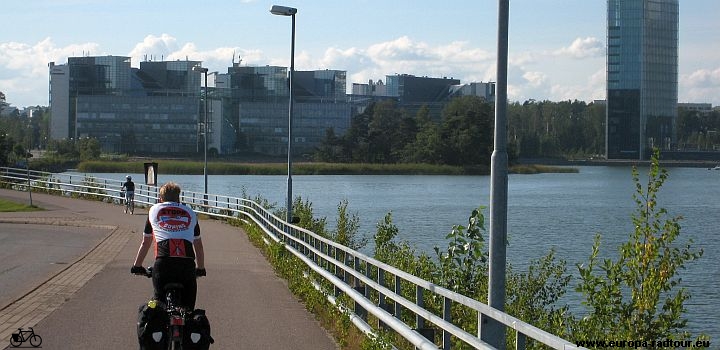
[{"x": 559, "y": 211}]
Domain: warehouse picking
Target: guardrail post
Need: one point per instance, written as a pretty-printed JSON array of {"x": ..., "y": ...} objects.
[
  {"x": 520, "y": 341},
  {"x": 447, "y": 316},
  {"x": 382, "y": 303},
  {"x": 335, "y": 271},
  {"x": 360, "y": 287},
  {"x": 398, "y": 291},
  {"x": 428, "y": 333}
]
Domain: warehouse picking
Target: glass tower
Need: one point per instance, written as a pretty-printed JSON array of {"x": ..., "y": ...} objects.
[{"x": 642, "y": 76}]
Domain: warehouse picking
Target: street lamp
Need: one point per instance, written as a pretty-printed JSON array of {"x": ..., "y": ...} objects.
[
  {"x": 27, "y": 158},
  {"x": 205, "y": 129},
  {"x": 289, "y": 11},
  {"x": 494, "y": 332}
]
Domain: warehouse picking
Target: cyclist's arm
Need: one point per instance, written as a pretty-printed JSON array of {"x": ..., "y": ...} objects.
[
  {"x": 199, "y": 250},
  {"x": 144, "y": 245}
]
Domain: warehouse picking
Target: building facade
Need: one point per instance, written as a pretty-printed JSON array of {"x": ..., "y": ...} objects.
[
  {"x": 642, "y": 76},
  {"x": 164, "y": 107},
  {"x": 150, "y": 110},
  {"x": 258, "y": 100}
]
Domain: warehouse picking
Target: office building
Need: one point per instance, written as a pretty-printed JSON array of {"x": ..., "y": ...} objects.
[
  {"x": 160, "y": 107},
  {"x": 260, "y": 103},
  {"x": 151, "y": 110},
  {"x": 642, "y": 76}
]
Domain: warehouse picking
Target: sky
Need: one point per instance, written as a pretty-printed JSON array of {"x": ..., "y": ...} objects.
[{"x": 556, "y": 47}]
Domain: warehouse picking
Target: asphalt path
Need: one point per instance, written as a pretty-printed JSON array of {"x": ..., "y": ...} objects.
[
  {"x": 32, "y": 253},
  {"x": 248, "y": 306}
]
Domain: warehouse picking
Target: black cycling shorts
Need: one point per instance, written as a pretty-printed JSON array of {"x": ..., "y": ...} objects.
[{"x": 176, "y": 270}]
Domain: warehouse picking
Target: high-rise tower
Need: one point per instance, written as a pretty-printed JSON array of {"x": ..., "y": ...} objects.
[{"x": 642, "y": 76}]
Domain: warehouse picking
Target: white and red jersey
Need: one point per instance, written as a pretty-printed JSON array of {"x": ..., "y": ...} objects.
[{"x": 174, "y": 226}]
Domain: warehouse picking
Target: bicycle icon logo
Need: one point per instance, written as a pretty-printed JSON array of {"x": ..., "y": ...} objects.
[{"x": 22, "y": 336}]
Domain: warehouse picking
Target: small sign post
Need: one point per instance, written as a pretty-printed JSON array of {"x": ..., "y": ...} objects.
[
  {"x": 151, "y": 174},
  {"x": 151, "y": 177}
]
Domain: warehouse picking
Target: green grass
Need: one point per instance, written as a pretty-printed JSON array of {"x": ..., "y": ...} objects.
[
  {"x": 304, "y": 168},
  {"x": 11, "y": 207}
]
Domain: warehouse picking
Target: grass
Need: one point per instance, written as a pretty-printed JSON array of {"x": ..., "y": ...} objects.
[
  {"x": 305, "y": 168},
  {"x": 7, "y": 206}
]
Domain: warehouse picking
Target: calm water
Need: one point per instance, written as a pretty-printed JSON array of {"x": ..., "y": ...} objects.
[{"x": 560, "y": 211}]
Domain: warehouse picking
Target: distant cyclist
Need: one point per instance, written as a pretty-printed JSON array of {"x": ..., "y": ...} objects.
[{"x": 129, "y": 187}]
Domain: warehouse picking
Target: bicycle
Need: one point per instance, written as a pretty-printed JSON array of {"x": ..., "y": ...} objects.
[
  {"x": 177, "y": 314},
  {"x": 20, "y": 337},
  {"x": 129, "y": 198}
]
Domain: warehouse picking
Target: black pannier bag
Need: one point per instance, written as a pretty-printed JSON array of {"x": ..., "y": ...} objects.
[
  {"x": 151, "y": 327},
  {"x": 197, "y": 332}
]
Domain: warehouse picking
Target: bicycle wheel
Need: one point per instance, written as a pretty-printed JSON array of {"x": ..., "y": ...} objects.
[
  {"x": 14, "y": 343},
  {"x": 176, "y": 345},
  {"x": 35, "y": 340}
]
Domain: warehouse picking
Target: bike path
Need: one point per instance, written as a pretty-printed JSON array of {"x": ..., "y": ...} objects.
[{"x": 93, "y": 302}]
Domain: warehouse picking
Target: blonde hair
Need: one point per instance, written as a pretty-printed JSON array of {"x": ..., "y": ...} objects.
[{"x": 169, "y": 192}]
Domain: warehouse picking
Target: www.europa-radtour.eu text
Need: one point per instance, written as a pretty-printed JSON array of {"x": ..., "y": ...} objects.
[{"x": 651, "y": 344}]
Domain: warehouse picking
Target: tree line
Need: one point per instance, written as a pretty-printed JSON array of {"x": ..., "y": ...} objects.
[
  {"x": 462, "y": 135},
  {"x": 19, "y": 135}
]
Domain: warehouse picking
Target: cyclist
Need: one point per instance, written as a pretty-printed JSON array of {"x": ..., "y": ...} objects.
[
  {"x": 174, "y": 228},
  {"x": 129, "y": 187}
]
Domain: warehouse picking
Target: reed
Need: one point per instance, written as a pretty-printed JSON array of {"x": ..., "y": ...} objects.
[{"x": 304, "y": 168}]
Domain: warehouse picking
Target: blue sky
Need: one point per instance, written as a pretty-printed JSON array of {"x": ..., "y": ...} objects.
[{"x": 557, "y": 47}]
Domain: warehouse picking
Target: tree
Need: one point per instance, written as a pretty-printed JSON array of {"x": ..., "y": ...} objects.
[
  {"x": 330, "y": 149},
  {"x": 388, "y": 132},
  {"x": 89, "y": 148},
  {"x": 427, "y": 144},
  {"x": 6, "y": 145},
  {"x": 638, "y": 296},
  {"x": 467, "y": 131}
]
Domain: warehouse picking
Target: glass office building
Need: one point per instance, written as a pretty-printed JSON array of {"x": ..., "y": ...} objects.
[
  {"x": 151, "y": 110},
  {"x": 259, "y": 104},
  {"x": 642, "y": 76}
]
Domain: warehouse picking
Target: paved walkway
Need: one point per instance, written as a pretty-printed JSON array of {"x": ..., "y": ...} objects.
[{"x": 68, "y": 272}]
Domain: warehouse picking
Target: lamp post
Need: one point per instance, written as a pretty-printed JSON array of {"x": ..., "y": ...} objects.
[
  {"x": 205, "y": 129},
  {"x": 289, "y": 11},
  {"x": 493, "y": 332},
  {"x": 27, "y": 158}
]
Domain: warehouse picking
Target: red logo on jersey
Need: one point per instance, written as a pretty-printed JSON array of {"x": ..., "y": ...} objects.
[
  {"x": 177, "y": 247},
  {"x": 173, "y": 219}
]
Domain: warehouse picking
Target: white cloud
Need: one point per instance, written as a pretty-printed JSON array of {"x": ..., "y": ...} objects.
[
  {"x": 166, "y": 47},
  {"x": 405, "y": 56},
  {"x": 24, "y": 68},
  {"x": 702, "y": 85},
  {"x": 583, "y": 48},
  {"x": 574, "y": 72},
  {"x": 155, "y": 48}
]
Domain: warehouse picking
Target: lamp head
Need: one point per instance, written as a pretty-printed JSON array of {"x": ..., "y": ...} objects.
[{"x": 283, "y": 10}]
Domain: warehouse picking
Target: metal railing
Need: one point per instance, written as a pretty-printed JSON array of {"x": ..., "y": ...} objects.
[{"x": 376, "y": 288}]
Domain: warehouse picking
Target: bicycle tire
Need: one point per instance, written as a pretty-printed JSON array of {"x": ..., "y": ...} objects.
[
  {"x": 176, "y": 345},
  {"x": 14, "y": 343},
  {"x": 33, "y": 340}
]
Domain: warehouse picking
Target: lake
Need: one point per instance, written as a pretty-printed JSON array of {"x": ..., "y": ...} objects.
[{"x": 562, "y": 211}]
